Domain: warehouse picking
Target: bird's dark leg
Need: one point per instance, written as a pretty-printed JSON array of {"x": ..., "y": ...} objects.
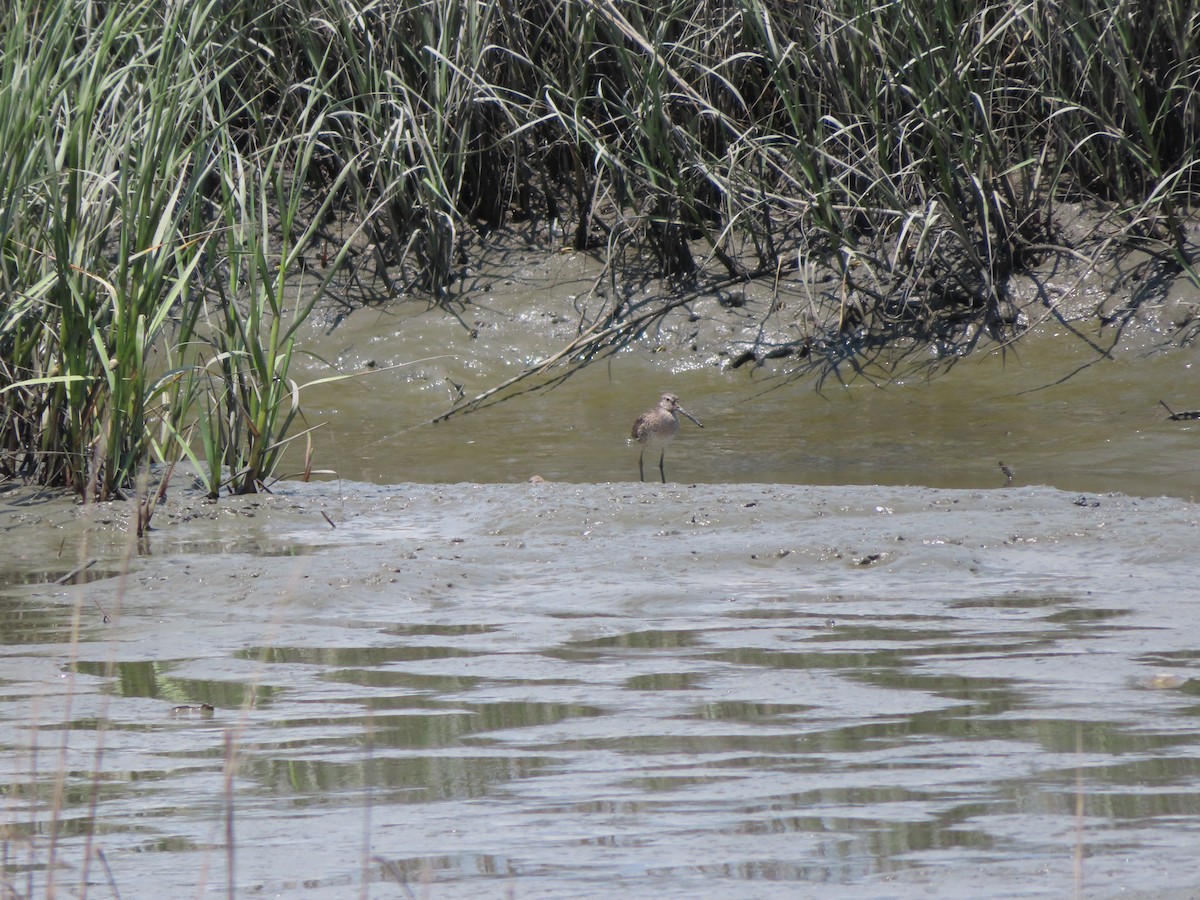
[
  {"x": 661, "y": 471},
  {"x": 641, "y": 472}
]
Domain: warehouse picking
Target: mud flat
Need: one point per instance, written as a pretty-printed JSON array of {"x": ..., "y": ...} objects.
[{"x": 542, "y": 690}]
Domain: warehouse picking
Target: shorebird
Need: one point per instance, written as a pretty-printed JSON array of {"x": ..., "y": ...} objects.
[{"x": 655, "y": 428}]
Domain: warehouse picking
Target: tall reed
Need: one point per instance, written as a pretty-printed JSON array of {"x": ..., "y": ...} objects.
[
  {"x": 930, "y": 143},
  {"x": 128, "y": 191}
]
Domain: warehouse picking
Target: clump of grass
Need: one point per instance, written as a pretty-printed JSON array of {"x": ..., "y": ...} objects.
[
  {"x": 147, "y": 248},
  {"x": 929, "y": 146}
]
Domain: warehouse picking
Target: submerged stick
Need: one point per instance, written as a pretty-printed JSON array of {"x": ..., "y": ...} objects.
[
  {"x": 585, "y": 343},
  {"x": 1179, "y": 416},
  {"x": 1008, "y": 475},
  {"x": 78, "y": 570}
]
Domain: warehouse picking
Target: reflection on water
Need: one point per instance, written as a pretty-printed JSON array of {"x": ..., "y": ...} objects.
[
  {"x": 153, "y": 679},
  {"x": 972, "y": 715}
]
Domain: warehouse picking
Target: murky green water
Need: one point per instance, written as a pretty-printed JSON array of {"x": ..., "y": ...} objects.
[
  {"x": 1075, "y": 409},
  {"x": 551, "y": 690}
]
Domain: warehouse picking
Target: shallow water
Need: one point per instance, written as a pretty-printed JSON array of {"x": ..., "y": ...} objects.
[
  {"x": 1074, "y": 406},
  {"x": 551, "y": 690}
]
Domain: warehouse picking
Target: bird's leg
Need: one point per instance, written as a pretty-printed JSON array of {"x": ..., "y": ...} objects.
[
  {"x": 661, "y": 472},
  {"x": 641, "y": 472}
]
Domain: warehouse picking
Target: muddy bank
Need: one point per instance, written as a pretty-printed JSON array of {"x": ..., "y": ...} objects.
[
  {"x": 536, "y": 690},
  {"x": 814, "y": 313}
]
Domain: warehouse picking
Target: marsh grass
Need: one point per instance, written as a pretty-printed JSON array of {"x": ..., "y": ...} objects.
[
  {"x": 153, "y": 240},
  {"x": 148, "y": 247}
]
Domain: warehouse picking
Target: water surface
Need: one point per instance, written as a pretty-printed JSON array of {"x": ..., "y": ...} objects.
[
  {"x": 551, "y": 690},
  {"x": 1073, "y": 405}
]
